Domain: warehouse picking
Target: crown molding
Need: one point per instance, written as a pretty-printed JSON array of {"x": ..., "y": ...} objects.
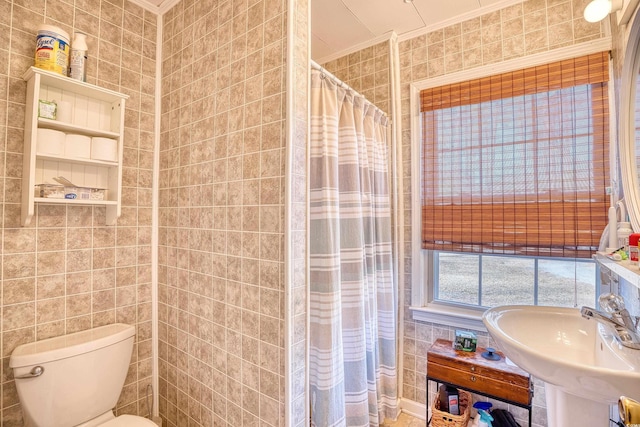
[
  {"x": 166, "y": 5},
  {"x": 371, "y": 42},
  {"x": 158, "y": 10},
  {"x": 145, "y": 5},
  {"x": 458, "y": 19}
]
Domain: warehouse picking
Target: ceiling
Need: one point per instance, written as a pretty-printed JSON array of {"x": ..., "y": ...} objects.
[{"x": 340, "y": 26}]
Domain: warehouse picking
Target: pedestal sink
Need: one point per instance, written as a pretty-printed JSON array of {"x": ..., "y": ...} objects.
[{"x": 584, "y": 367}]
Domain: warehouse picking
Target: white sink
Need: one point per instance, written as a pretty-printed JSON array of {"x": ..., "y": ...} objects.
[{"x": 580, "y": 360}]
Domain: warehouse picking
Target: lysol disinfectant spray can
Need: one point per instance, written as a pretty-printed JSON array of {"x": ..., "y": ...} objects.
[{"x": 78, "y": 66}]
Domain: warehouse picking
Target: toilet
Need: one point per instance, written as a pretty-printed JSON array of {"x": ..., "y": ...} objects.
[{"x": 75, "y": 380}]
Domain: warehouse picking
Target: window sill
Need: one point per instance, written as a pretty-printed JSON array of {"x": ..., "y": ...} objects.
[{"x": 444, "y": 314}]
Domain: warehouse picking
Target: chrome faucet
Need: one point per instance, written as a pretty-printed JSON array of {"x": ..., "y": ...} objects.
[
  {"x": 617, "y": 316},
  {"x": 614, "y": 305}
]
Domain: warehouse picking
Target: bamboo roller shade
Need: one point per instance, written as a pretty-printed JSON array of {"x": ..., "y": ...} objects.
[{"x": 517, "y": 163}]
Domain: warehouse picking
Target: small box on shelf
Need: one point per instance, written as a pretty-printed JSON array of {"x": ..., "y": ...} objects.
[
  {"x": 465, "y": 341},
  {"x": 54, "y": 191},
  {"x": 47, "y": 109}
]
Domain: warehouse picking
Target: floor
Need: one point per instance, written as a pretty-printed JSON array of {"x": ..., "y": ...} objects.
[{"x": 405, "y": 420}]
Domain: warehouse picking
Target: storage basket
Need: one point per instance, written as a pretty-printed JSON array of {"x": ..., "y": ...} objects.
[{"x": 444, "y": 419}]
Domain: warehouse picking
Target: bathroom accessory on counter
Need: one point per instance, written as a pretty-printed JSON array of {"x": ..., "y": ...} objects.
[
  {"x": 47, "y": 109},
  {"x": 52, "y": 191},
  {"x": 465, "y": 341},
  {"x": 634, "y": 239},
  {"x": 68, "y": 190},
  {"x": 483, "y": 419},
  {"x": 78, "y": 61},
  {"x": 613, "y": 225},
  {"x": 52, "y": 49},
  {"x": 449, "y": 399},
  {"x": 490, "y": 354},
  {"x": 624, "y": 231},
  {"x": 617, "y": 215}
]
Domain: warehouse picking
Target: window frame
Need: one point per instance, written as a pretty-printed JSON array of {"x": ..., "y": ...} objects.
[{"x": 423, "y": 307}]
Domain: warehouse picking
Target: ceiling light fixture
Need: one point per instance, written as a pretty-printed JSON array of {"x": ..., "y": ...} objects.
[
  {"x": 597, "y": 10},
  {"x": 408, "y": 1}
]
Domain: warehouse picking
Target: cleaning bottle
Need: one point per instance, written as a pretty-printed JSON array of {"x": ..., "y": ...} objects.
[
  {"x": 78, "y": 63},
  {"x": 482, "y": 419}
]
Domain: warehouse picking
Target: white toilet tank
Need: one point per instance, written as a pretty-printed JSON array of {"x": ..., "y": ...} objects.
[{"x": 82, "y": 378}]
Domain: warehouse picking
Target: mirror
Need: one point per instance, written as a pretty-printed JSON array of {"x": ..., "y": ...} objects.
[{"x": 630, "y": 124}]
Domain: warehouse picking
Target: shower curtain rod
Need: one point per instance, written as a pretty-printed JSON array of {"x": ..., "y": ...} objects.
[
  {"x": 316, "y": 66},
  {"x": 336, "y": 80}
]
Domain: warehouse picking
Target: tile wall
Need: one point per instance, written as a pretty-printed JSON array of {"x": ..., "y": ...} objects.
[
  {"x": 532, "y": 26},
  {"x": 222, "y": 213},
  {"x": 68, "y": 271},
  {"x": 366, "y": 71}
]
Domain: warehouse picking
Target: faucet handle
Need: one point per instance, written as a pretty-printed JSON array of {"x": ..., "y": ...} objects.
[{"x": 611, "y": 303}]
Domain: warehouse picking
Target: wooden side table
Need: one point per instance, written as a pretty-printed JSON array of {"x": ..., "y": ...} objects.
[{"x": 472, "y": 372}]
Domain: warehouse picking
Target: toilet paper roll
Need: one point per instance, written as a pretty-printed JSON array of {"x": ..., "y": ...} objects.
[
  {"x": 104, "y": 149},
  {"x": 50, "y": 142},
  {"x": 78, "y": 146},
  {"x": 64, "y": 111}
]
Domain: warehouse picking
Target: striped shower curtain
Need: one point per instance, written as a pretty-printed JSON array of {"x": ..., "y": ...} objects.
[{"x": 353, "y": 304}]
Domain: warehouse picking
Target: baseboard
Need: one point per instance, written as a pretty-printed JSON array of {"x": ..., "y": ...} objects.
[{"x": 413, "y": 408}]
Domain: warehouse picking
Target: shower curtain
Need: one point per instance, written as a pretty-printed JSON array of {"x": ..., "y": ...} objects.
[{"x": 353, "y": 329}]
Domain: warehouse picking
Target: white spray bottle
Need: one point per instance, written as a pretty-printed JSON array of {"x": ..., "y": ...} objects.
[{"x": 78, "y": 62}]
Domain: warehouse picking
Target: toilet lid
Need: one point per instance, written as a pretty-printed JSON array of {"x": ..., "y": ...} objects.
[{"x": 129, "y": 421}]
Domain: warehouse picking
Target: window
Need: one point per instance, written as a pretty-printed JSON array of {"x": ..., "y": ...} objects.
[
  {"x": 481, "y": 280},
  {"x": 514, "y": 174}
]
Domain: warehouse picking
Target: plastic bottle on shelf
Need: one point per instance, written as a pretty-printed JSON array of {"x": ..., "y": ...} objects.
[
  {"x": 634, "y": 251},
  {"x": 624, "y": 231},
  {"x": 78, "y": 63}
]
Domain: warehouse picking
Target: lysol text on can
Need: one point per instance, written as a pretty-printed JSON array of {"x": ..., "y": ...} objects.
[{"x": 52, "y": 49}]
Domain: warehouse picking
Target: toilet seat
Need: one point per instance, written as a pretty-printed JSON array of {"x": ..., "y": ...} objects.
[{"x": 129, "y": 421}]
